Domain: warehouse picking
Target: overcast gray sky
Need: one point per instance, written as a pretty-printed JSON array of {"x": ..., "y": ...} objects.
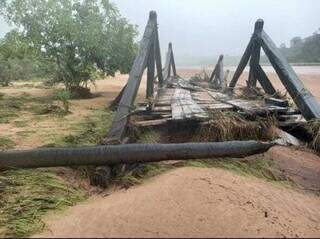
[{"x": 211, "y": 27}]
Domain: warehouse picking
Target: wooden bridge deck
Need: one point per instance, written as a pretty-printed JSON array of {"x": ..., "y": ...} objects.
[{"x": 184, "y": 100}]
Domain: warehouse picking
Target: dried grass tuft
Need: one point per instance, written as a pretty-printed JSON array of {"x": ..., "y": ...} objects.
[
  {"x": 314, "y": 128},
  {"x": 226, "y": 126},
  {"x": 250, "y": 93}
]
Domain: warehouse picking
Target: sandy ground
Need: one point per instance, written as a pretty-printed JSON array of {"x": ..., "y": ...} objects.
[
  {"x": 193, "y": 202},
  {"x": 187, "y": 202}
]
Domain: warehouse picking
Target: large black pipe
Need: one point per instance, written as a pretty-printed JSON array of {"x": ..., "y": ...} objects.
[{"x": 128, "y": 154}]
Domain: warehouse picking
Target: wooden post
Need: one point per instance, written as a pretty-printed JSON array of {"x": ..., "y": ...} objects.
[
  {"x": 256, "y": 49},
  {"x": 305, "y": 101},
  {"x": 243, "y": 63},
  {"x": 218, "y": 74},
  {"x": 226, "y": 76},
  {"x": 167, "y": 68},
  {"x": 151, "y": 70},
  {"x": 114, "y": 104},
  {"x": 120, "y": 121},
  {"x": 158, "y": 58},
  {"x": 173, "y": 63}
]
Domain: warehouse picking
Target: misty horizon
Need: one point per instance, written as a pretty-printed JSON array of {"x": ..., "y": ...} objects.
[{"x": 204, "y": 29}]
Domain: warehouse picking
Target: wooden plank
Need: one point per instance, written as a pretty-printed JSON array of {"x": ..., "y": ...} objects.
[
  {"x": 148, "y": 123},
  {"x": 305, "y": 101},
  {"x": 183, "y": 106},
  {"x": 276, "y": 102},
  {"x": 243, "y": 63},
  {"x": 121, "y": 119},
  {"x": 287, "y": 139},
  {"x": 162, "y": 108}
]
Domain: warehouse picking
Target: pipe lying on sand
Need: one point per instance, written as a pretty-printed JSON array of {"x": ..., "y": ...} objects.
[{"x": 128, "y": 154}]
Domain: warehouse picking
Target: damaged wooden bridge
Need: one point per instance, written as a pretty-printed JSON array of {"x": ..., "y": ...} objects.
[{"x": 170, "y": 98}]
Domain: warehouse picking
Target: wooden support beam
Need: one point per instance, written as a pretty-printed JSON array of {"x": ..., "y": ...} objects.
[
  {"x": 305, "y": 101},
  {"x": 173, "y": 62},
  {"x": 151, "y": 70},
  {"x": 120, "y": 121},
  {"x": 226, "y": 76},
  {"x": 158, "y": 58},
  {"x": 242, "y": 65},
  {"x": 220, "y": 73},
  {"x": 217, "y": 76},
  {"x": 167, "y": 68},
  {"x": 264, "y": 80},
  {"x": 114, "y": 104},
  {"x": 256, "y": 49}
]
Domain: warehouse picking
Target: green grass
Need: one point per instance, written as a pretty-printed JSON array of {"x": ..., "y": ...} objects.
[
  {"x": 91, "y": 131},
  {"x": 20, "y": 124},
  {"x": 27, "y": 195},
  {"x": 12, "y": 107},
  {"x": 6, "y": 143}
]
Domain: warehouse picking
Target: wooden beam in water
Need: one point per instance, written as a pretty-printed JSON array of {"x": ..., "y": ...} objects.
[{"x": 305, "y": 101}]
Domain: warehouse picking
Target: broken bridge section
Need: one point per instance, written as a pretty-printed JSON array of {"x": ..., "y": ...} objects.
[{"x": 170, "y": 98}]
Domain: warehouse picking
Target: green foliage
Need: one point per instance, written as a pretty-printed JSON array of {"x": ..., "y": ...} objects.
[
  {"x": 27, "y": 195},
  {"x": 64, "y": 96},
  {"x": 82, "y": 37},
  {"x": 91, "y": 131},
  {"x": 18, "y": 61}
]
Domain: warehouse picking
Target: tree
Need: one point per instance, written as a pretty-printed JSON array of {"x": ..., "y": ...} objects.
[
  {"x": 18, "y": 61},
  {"x": 82, "y": 37},
  {"x": 305, "y": 50}
]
